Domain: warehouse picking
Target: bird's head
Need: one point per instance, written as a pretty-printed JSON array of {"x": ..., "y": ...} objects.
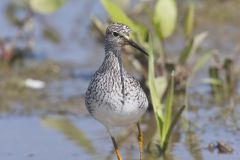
[{"x": 118, "y": 35}]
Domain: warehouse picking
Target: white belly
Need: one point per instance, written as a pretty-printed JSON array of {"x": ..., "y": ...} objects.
[{"x": 115, "y": 116}]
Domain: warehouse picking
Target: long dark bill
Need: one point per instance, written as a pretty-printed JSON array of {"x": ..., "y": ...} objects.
[{"x": 135, "y": 45}]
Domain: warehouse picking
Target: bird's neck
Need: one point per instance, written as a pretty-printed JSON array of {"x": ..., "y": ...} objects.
[
  {"x": 113, "y": 58},
  {"x": 113, "y": 64}
]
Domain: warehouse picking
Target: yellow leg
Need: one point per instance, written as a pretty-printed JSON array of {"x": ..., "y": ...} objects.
[
  {"x": 140, "y": 140},
  {"x": 116, "y": 149}
]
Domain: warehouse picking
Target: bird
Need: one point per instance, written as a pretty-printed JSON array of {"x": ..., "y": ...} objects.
[{"x": 114, "y": 97}]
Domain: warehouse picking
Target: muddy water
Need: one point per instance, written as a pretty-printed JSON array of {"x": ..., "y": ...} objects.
[{"x": 52, "y": 123}]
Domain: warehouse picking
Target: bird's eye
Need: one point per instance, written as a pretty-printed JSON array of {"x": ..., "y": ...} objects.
[{"x": 115, "y": 34}]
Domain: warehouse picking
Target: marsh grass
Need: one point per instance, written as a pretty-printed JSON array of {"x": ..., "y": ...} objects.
[{"x": 165, "y": 121}]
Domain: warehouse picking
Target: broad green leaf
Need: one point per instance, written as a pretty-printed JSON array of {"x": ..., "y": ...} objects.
[
  {"x": 188, "y": 21},
  {"x": 46, "y": 6},
  {"x": 165, "y": 17},
  {"x": 191, "y": 47},
  {"x": 118, "y": 15}
]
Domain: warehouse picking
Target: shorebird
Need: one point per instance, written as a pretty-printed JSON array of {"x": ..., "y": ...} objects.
[{"x": 114, "y": 97}]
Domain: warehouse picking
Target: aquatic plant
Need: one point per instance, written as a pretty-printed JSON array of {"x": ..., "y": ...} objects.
[
  {"x": 223, "y": 78},
  {"x": 165, "y": 122}
]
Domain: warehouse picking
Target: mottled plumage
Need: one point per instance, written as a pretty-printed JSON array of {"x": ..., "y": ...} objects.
[{"x": 114, "y": 97}]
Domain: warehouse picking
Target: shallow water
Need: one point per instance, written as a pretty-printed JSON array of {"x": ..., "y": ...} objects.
[
  {"x": 53, "y": 123},
  {"x": 32, "y": 138},
  {"x": 70, "y": 137}
]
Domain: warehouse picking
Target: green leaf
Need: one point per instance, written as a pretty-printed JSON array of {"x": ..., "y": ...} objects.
[
  {"x": 160, "y": 119},
  {"x": 191, "y": 47},
  {"x": 165, "y": 17},
  {"x": 151, "y": 81},
  {"x": 161, "y": 85},
  {"x": 201, "y": 61},
  {"x": 173, "y": 124},
  {"x": 46, "y": 6},
  {"x": 118, "y": 15},
  {"x": 168, "y": 107},
  {"x": 188, "y": 21}
]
